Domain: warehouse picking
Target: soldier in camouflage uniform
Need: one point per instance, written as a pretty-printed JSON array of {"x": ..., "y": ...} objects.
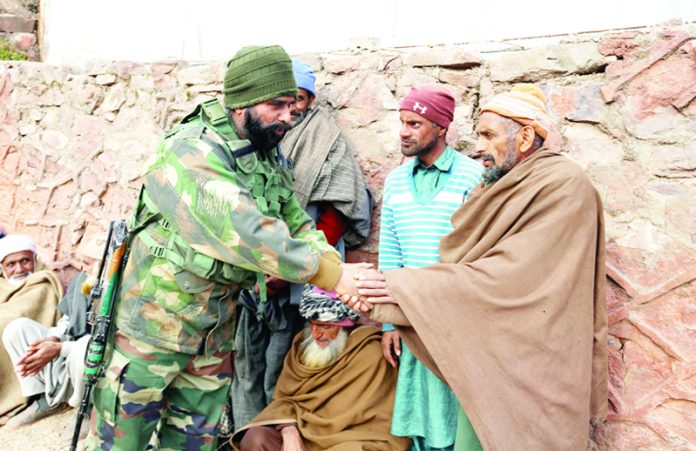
[{"x": 215, "y": 214}]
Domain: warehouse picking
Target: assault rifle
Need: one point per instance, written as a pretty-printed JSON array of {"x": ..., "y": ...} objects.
[{"x": 105, "y": 289}]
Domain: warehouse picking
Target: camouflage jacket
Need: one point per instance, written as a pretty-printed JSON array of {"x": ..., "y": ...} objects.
[{"x": 213, "y": 217}]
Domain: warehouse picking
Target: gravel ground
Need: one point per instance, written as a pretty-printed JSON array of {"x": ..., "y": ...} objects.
[{"x": 52, "y": 433}]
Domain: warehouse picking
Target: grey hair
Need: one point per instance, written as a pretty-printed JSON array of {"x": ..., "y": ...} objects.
[{"x": 512, "y": 127}]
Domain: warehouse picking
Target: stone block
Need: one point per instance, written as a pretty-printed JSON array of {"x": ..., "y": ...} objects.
[
  {"x": 105, "y": 79},
  {"x": 674, "y": 161},
  {"x": 30, "y": 204},
  {"x": 53, "y": 141},
  {"x": 631, "y": 436},
  {"x": 681, "y": 216},
  {"x": 6, "y": 85},
  {"x": 620, "y": 44},
  {"x": 372, "y": 98},
  {"x": 590, "y": 147},
  {"x": 673, "y": 420},
  {"x": 88, "y": 125},
  {"x": 647, "y": 262},
  {"x": 10, "y": 23},
  {"x": 114, "y": 98},
  {"x": 673, "y": 50},
  {"x": 7, "y": 195},
  {"x": 577, "y": 103},
  {"x": 535, "y": 64},
  {"x": 124, "y": 69},
  {"x": 142, "y": 82},
  {"x": 668, "y": 322},
  {"x": 201, "y": 74},
  {"x": 462, "y": 79},
  {"x": 410, "y": 77},
  {"x": 343, "y": 64},
  {"x": 24, "y": 42},
  {"x": 450, "y": 57},
  {"x": 161, "y": 68},
  {"x": 623, "y": 190},
  {"x": 52, "y": 97},
  {"x": 63, "y": 198}
]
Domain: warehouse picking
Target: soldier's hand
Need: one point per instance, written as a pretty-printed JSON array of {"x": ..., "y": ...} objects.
[
  {"x": 349, "y": 273},
  {"x": 391, "y": 347}
]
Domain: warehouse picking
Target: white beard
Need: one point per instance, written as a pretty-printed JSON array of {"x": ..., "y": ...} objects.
[
  {"x": 18, "y": 280},
  {"x": 314, "y": 356}
]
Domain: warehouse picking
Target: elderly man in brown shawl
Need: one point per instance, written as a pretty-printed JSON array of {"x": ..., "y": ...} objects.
[
  {"x": 335, "y": 391},
  {"x": 330, "y": 186},
  {"x": 26, "y": 290},
  {"x": 513, "y": 318}
]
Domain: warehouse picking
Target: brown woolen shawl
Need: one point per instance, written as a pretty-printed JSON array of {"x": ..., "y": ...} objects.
[
  {"x": 346, "y": 405},
  {"x": 514, "y": 317},
  {"x": 37, "y": 298}
]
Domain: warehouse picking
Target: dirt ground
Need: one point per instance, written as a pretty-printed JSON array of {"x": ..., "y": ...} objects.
[{"x": 52, "y": 433}]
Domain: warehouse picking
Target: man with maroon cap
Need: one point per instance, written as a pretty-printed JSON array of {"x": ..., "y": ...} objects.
[
  {"x": 513, "y": 316},
  {"x": 419, "y": 198}
]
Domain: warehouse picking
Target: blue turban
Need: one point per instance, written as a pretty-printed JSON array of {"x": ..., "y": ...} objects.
[{"x": 304, "y": 76}]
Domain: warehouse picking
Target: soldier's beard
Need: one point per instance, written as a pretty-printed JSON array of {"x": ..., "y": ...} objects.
[
  {"x": 314, "y": 356},
  {"x": 263, "y": 137}
]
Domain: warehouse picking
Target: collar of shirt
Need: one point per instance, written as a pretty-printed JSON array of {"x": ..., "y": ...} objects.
[{"x": 443, "y": 162}]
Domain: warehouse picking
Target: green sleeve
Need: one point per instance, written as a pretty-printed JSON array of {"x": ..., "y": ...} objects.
[{"x": 217, "y": 216}]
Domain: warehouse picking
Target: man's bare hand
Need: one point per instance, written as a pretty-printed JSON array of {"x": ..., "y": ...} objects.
[
  {"x": 373, "y": 288},
  {"x": 357, "y": 303},
  {"x": 38, "y": 355},
  {"x": 391, "y": 347},
  {"x": 292, "y": 440},
  {"x": 346, "y": 283}
]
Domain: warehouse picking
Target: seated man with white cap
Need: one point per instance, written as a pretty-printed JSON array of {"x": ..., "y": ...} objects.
[
  {"x": 335, "y": 390},
  {"x": 46, "y": 362}
]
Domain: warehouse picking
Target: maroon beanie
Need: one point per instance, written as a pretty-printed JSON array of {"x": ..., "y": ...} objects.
[{"x": 433, "y": 102}]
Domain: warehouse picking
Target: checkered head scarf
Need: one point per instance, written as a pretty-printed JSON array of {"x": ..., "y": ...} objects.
[{"x": 324, "y": 306}]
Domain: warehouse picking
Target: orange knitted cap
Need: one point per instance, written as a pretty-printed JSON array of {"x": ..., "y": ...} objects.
[{"x": 525, "y": 104}]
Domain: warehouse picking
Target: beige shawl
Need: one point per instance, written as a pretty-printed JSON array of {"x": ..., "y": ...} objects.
[
  {"x": 346, "y": 405},
  {"x": 37, "y": 299},
  {"x": 514, "y": 318}
]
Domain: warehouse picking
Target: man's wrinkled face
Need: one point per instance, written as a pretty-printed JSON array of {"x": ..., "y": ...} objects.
[
  {"x": 267, "y": 122},
  {"x": 323, "y": 333},
  {"x": 418, "y": 135},
  {"x": 496, "y": 145},
  {"x": 322, "y": 344},
  {"x": 303, "y": 102},
  {"x": 19, "y": 265}
]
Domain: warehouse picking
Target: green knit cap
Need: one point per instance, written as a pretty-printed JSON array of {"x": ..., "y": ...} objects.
[{"x": 256, "y": 74}]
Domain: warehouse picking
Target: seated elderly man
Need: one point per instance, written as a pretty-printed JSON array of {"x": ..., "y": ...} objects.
[
  {"x": 50, "y": 361},
  {"x": 335, "y": 390},
  {"x": 27, "y": 290}
]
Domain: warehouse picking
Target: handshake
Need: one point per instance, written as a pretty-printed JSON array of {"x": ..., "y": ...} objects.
[{"x": 361, "y": 286}]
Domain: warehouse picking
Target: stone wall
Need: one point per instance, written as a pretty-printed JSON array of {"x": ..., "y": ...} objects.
[
  {"x": 72, "y": 144},
  {"x": 18, "y": 26}
]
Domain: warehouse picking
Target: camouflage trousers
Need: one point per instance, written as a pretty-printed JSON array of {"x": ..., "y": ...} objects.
[{"x": 151, "y": 395}]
